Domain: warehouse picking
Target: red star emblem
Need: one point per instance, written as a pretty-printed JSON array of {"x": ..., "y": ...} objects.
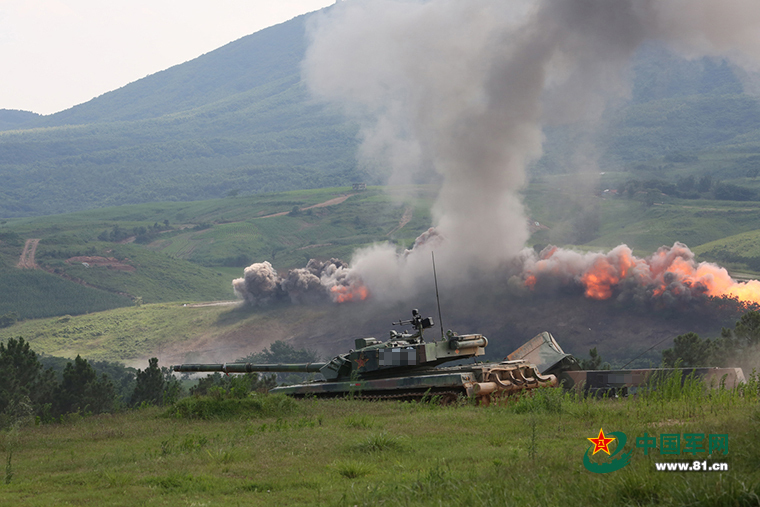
[
  {"x": 601, "y": 443},
  {"x": 360, "y": 362}
]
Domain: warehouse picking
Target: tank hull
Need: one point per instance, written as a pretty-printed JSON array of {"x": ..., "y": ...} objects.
[{"x": 480, "y": 381}]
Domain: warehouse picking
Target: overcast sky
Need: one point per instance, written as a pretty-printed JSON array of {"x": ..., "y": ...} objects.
[{"x": 55, "y": 54}]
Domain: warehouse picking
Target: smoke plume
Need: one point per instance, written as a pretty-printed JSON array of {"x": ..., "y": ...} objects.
[
  {"x": 328, "y": 280},
  {"x": 465, "y": 88}
]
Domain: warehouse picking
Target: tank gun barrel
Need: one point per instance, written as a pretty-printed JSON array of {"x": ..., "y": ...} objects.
[{"x": 250, "y": 367}]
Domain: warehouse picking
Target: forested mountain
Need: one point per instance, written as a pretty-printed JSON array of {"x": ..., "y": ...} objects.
[
  {"x": 238, "y": 120},
  {"x": 269, "y": 57},
  {"x": 13, "y": 118}
]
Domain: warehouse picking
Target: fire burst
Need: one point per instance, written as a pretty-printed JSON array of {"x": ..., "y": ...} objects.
[
  {"x": 345, "y": 293},
  {"x": 670, "y": 271}
]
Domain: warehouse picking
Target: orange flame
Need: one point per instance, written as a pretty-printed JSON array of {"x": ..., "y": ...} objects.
[
  {"x": 670, "y": 269},
  {"x": 353, "y": 292},
  {"x": 600, "y": 279}
]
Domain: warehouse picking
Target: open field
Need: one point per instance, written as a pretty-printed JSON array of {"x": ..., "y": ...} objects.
[
  {"x": 186, "y": 264},
  {"x": 559, "y": 203},
  {"x": 192, "y": 251},
  {"x": 163, "y": 275},
  {"x": 276, "y": 451}
]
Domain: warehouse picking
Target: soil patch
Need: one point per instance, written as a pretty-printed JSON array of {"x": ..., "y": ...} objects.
[
  {"x": 405, "y": 219},
  {"x": 106, "y": 262},
  {"x": 331, "y": 202},
  {"x": 27, "y": 256}
]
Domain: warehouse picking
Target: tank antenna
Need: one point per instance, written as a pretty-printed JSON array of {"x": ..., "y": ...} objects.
[{"x": 437, "y": 299}]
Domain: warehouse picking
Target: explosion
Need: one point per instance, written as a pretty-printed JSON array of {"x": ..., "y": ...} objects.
[
  {"x": 317, "y": 281},
  {"x": 342, "y": 293},
  {"x": 465, "y": 89},
  {"x": 670, "y": 274}
]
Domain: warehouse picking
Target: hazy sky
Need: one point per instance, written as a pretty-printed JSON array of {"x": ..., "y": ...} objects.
[{"x": 55, "y": 54}]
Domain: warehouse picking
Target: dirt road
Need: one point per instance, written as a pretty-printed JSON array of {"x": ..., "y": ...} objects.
[
  {"x": 331, "y": 202},
  {"x": 27, "y": 256},
  {"x": 408, "y": 214}
]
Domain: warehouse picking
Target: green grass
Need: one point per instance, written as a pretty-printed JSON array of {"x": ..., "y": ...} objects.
[
  {"x": 739, "y": 251},
  {"x": 630, "y": 221},
  {"x": 416, "y": 454},
  {"x": 188, "y": 263},
  {"x": 124, "y": 334},
  {"x": 135, "y": 333}
]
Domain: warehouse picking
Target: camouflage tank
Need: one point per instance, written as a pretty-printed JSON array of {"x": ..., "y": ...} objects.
[{"x": 404, "y": 367}]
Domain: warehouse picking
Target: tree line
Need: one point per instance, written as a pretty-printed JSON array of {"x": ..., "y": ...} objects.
[
  {"x": 45, "y": 390},
  {"x": 30, "y": 391},
  {"x": 733, "y": 346}
]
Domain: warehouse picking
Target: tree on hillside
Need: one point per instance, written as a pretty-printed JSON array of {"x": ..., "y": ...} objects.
[
  {"x": 734, "y": 345},
  {"x": 594, "y": 362},
  {"x": 240, "y": 385},
  {"x": 82, "y": 391},
  {"x": 8, "y": 319},
  {"x": 688, "y": 350},
  {"x": 149, "y": 385},
  {"x": 740, "y": 341},
  {"x": 22, "y": 381},
  {"x": 747, "y": 329},
  {"x": 156, "y": 386}
]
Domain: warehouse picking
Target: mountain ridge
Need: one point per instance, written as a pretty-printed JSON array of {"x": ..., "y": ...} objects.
[{"x": 239, "y": 119}]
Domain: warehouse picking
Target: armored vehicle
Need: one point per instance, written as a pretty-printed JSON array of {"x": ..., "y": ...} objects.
[
  {"x": 549, "y": 358},
  {"x": 404, "y": 367}
]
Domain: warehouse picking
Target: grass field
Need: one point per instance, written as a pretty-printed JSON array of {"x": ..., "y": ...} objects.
[
  {"x": 277, "y": 451},
  {"x": 621, "y": 220},
  {"x": 164, "y": 330},
  {"x": 123, "y": 334}
]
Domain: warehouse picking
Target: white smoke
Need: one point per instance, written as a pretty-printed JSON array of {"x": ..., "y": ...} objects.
[{"x": 466, "y": 88}]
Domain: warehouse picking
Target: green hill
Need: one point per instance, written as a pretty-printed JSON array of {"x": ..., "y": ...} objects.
[
  {"x": 99, "y": 259},
  {"x": 239, "y": 121},
  {"x": 234, "y": 120},
  {"x": 172, "y": 254}
]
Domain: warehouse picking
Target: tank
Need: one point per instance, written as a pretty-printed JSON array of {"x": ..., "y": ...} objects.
[{"x": 404, "y": 367}]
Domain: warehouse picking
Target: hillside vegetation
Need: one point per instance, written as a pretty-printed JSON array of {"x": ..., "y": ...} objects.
[
  {"x": 239, "y": 121},
  {"x": 177, "y": 253},
  {"x": 94, "y": 260}
]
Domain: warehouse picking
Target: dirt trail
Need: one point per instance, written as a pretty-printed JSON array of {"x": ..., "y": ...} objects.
[
  {"x": 213, "y": 303},
  {"x": 405, "y": 219},
  {"x": 331, "y": 202},
  {"x": 27, "y": 256}
]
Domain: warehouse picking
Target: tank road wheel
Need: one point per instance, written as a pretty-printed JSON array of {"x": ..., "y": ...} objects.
[{"x": 449, "y": 399}]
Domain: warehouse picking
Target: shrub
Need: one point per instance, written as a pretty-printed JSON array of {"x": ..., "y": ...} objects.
[{"x": 223, "y": 407}]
